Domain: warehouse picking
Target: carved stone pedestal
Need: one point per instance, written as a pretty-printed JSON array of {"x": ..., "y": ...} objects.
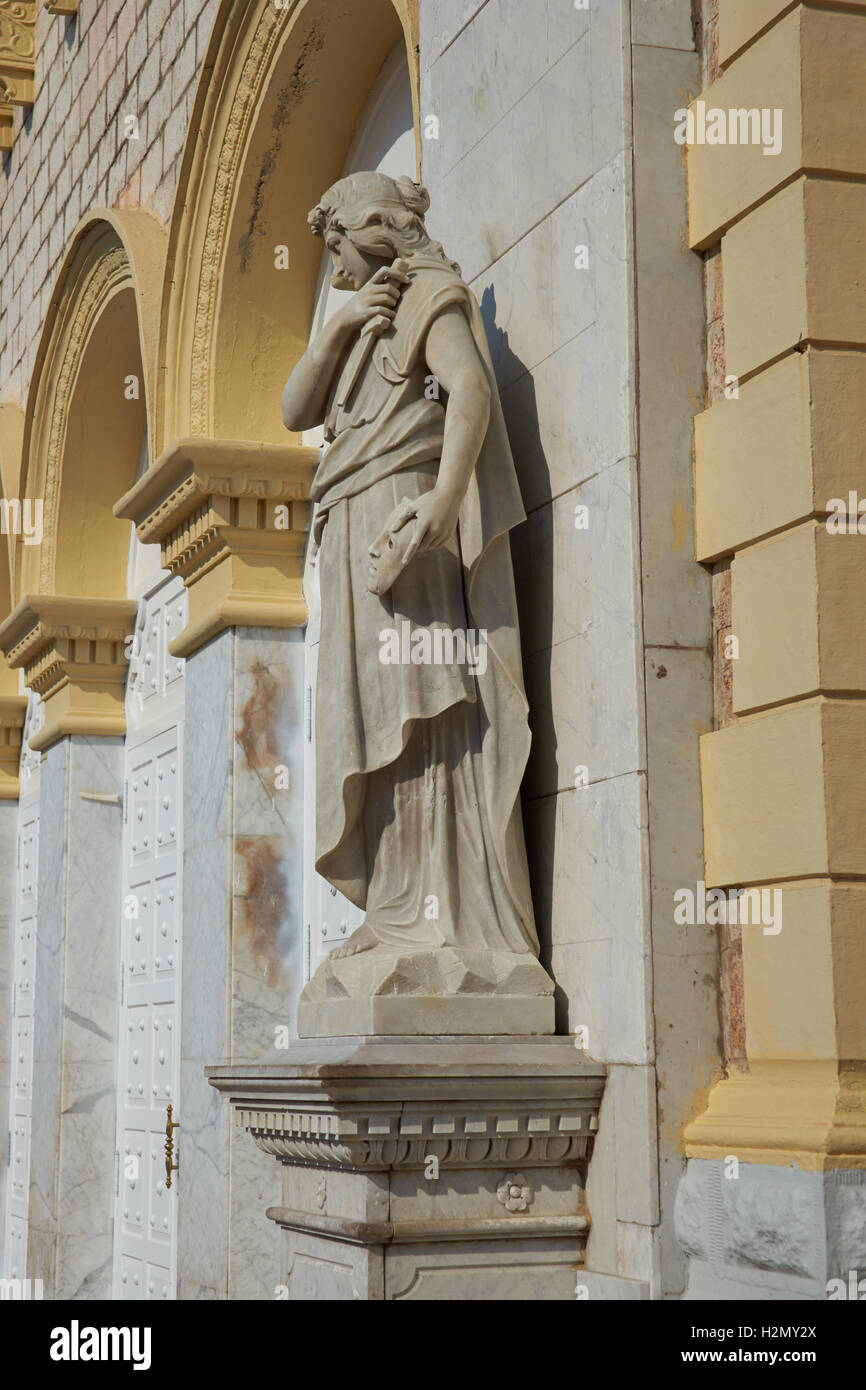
[
  {"x": 447, "y": 991},
  {"x": 420, "y": 1168}
]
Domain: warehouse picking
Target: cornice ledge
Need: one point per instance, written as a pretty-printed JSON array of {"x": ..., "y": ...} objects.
[
  {"x": 384, "y": 1106},
  {"x": 357, "y": 1232},
  {"x": 191, "y": 471},
  {"x": 41, "y": 619},
  {"x": 254, "y": 610}
]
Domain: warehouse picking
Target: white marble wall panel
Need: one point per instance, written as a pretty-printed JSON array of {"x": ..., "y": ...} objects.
[
  {"x": 243, "y": 816},
  {"x": 47, "y": 1024},
  {"x": 588, "y": 849},
  {"x": 267, "y": 908},
  {"x": 676, "y": 592},
  {"x": 76, "y": 991},
  {"x": 8, "y": 841},
  {"x": 667, "y": 23},
  {"x": 578, "y": 593},
  {"x": 533, "y": 162},
  {"x": 441, "y": 22}
]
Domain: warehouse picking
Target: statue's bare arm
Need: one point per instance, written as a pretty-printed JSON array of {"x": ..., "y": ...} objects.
[
  {"x": 305, "y": 394},
  {"x": 454, "y": 360}
]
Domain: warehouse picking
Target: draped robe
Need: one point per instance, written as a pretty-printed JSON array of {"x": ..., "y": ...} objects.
[{"x": 419, "y": 766}]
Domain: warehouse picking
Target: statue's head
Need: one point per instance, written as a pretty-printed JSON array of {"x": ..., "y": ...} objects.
[{"x": 366, "y": 220}]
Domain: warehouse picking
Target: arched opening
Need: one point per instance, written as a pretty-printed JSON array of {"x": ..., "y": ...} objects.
[
  {"x": 87, "y": 408},
  {"x": 86, "y": 416},
  {"x": 104, "y": 429},
  {"x": 278, "y": 115}
]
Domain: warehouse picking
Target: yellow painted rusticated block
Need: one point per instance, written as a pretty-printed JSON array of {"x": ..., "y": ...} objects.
[
  {"x": 784, "y": 795},
  {"x": 753, "y": 460},
  {"x": 804, "y": 75},
  {"x": 726, "y": 179},
  {"x": 804, "y": 986},
  {"x": 774, "y": 589},
  {"x": 794, "y": 272},
  {"x": 798, "y": 601},
  {"x": 778, "y": 453},
  {"x": 740, "y": 21}
]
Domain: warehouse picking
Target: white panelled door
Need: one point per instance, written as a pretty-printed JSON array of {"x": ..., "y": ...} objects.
[
  {"x": 145, "y": 1222},
  {"x": 23, "y": 993}
]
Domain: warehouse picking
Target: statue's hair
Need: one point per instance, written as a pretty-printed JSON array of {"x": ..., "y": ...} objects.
[{"x": 382, "y": 216}]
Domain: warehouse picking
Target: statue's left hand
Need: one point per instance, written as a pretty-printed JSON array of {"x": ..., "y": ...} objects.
[{"x": 435, "y": 519}]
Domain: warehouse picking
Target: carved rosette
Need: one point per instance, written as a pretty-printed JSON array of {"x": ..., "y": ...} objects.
[
  {"x": 231, "y": 518},
  {"x": 73, "y": 652},
  {"x": 17, "y": 62}
]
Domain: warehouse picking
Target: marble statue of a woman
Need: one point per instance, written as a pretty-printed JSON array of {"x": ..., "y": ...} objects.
[{"x": 422, "y": 733}]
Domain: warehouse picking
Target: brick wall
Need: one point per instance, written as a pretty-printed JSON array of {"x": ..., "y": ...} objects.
[{"x": 117, "y": 58}]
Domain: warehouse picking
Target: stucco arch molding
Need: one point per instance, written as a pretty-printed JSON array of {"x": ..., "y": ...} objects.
[{"x": 70, "y": 588}]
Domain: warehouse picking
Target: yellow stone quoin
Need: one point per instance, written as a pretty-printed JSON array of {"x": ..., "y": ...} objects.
[
  {"x": 808, "y": 67},
  {"x": 789, "y": 647},
  {"x": 781, "y": 451},
  {"x": 783, "y": 784}
]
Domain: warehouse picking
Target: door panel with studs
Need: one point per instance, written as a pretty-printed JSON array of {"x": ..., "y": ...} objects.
[
  {"x": 20, "y": 1099},
  {"x": 145, "y": 1226},
  {"x": 146, "y": 1215}
]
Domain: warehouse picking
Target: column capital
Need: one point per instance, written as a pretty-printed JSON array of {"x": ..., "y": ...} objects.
[
  {"x": 72, "y": 652},
  {"x": 231, "y": 518}
]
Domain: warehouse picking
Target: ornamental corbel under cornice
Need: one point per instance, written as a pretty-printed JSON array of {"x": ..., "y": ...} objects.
[
  {"x": 231, "y": 518},
  {"x": 73, "y": 651}
]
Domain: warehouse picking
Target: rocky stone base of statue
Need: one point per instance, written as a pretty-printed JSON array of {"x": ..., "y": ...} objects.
[
  {"x": 386, "y": 993},
  {"x": 429, "y": 1169}
]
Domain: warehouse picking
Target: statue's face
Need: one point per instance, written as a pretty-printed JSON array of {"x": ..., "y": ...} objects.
[{"x": 352, "y": 268}]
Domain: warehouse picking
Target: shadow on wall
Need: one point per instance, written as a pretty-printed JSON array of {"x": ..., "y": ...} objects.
[{"x": 534, "y": 584}]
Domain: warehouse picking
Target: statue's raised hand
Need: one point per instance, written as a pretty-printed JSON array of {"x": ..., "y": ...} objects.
[{"x": 377, "y": 299}]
